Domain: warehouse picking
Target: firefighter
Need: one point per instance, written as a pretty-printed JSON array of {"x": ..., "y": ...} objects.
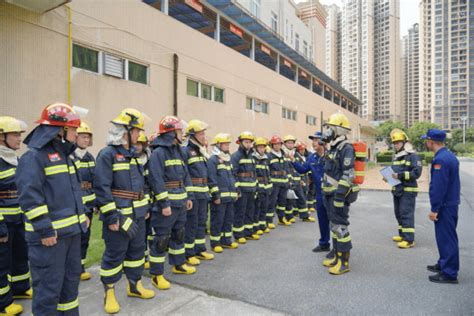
[
  {"x": 339, "y": 189},
  {"x": 170, "y": 183},
  {"x": 223, "y": 199},
  {"x": 14, "y": 271},
  {"x": 51, "y": 198},
  {"x": 264, "y": 186},
  {"x": 119, "y": 185},
  {"x": 86, "y": 172},
  {"x": 301, "y": 155},
  {"x": 243, "y": 167},
  {"x": 196, "y": 218},
  {"x": 407, "y": 169},
  {"x": 297, "y": 205},
  {"x": 279, "y": 180}
]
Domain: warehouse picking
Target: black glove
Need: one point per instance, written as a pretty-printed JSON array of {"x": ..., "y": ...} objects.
[{"x": 128, "y": 226}]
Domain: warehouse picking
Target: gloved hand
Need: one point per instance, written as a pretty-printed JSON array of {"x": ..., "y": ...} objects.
[{"x": 128, "y": 226}]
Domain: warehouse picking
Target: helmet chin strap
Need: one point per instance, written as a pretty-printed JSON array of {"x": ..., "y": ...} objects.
[{"x": 6, "y": 141}]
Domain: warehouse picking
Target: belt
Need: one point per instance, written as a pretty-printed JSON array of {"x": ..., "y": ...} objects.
[
  {"x": 86, "y": 185},
  {"x": 278, "y": 173},
  {"x": 262, "y": 179},
  {"x": 130, "y": 195},
  {"x": 12, "y": 194},
  {"x": 174, "y": 184},
  {"x": 199, "y": 180},
  {"x": 246, "y": 174}
]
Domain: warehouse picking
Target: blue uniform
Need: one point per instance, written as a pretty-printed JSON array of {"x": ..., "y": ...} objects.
[
  {"x": 299, "y": 185},
  {"x": 408, "y": 167},
  {"x": 196, "y": 218},
  {"x": 279, "y": 179},
  {"x": 264, "y": 190},
  {"x": 222, "y": 215},
  {"x": 445, "y": 191},
  {"x": 243, "y": 167},
  {"x": 119, "y": 185},
  {"x": 14, "y": 252},
  {"x": 51, "y": 199},
  {"x": 315, "y": 165},
  {"x": 170, "y": 183}
]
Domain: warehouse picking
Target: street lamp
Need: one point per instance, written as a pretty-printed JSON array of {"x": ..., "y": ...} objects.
[{"x": 463, "y": 120}]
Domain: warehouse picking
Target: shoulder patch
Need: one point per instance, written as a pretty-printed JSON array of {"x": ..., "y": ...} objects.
[
  {"x": 193, "y": 153},
  {"x": 54, "y": 157},
  {"x": 437, "y": 166},
  {"x": 347, "y": 161},
  {"x": 120, "y": 157}
]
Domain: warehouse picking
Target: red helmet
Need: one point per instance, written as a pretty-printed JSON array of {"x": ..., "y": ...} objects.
[
  {"x": 59, "y": 114},
  {"x": 276, "y": 140},
  {"x": 300, "y": 146},
  {"x": 169, "y": 124}
]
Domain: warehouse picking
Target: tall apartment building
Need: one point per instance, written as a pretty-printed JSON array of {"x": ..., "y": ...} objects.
[
  {"x": 425, "y": 59},
  {"x": 333, "y": 42},
  {"x": 448, "y": 30},
  {"x": 411, "y": 77}
]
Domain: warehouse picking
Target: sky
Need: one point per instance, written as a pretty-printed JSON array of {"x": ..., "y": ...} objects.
[{"x": 408, "y": 13}]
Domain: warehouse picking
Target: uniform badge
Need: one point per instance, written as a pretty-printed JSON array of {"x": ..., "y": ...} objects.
[
  {"x": 54, "y": 157},
  {"x": 437, "y": 166},
  {"x": 193, "y": 153},
  {"x": 347, "y": 161},
  {"x": 220, "y": 160},
  {"x": 120, "y": 157}
]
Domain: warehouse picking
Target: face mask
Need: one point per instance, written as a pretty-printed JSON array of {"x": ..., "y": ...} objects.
[{"x": 328, "y": 135}]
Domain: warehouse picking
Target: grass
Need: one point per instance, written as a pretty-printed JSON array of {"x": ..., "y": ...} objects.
[{"x": 96, "y": 243}]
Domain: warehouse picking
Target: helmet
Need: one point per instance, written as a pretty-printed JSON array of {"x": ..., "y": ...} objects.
[
  {"x": 221, "y": 138},
  {"x": 169, "y": 124},
  {"x": 261, "y": 141},
  {"x": 59, "y": 114},
  {"x": 10, "y": 124},
  {"x": 289, "y": 138},
  {"x": 245, "y": 135},
  {"x": 275, "y": 140},
  {"x": 131, "y": 118},
  {"x": 317, "y": 135},
  {"x": 142, "y": 138},
  {"x": 300, "y": 146},
  {"x": 339, "y": 120},
  {"x": 84, "y": 129},
  {"x": 196, "y": 126},
  {"x": 398, "y": 135}
]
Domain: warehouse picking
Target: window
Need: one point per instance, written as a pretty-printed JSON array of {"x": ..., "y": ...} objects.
[
  {"x": 255, "y": 8},
  {"x": 206, "y": 91},
  {"x": 113, "y": 66},
  {"x": 310, "y": 120},
  {"x": 297, "y": 42},
  {"x": 137, "y": 72},
  {"x": 288, "y": 114},
  {"x": 305, "y": 49},
  {"x": 85, "y": 58},
  {"x": 256, "y": 105},
  {"x": 274, "y": 22},
  {"x": 192, "y": 88},
  {"x": 218, "y": 95}
]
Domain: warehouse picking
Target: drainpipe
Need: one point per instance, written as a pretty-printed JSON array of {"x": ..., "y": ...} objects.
[
  {"x": 175, "y": 84},
  {"x": 69, "y": 53}
]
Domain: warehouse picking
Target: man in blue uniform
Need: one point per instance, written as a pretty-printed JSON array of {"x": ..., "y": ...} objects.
[
  {"x": 51, "y": 199},
  {"x": 14, "y": 271},
  {"x": 445, "y": 195}
]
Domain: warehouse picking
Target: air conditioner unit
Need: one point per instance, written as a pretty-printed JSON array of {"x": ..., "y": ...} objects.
[
  {"x": 258, "y": 107},
  {"x": 39, "y": 6}
]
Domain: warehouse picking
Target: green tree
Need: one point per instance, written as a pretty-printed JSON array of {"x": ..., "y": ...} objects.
[
  {"x": 456, "y": 137},
  {"x": 417, "y": 130},
  {"x": 386, "y": 127}
]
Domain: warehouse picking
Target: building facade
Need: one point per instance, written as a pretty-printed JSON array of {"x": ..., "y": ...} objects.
[
  {"x": 333, "y": 42},
  {"x": 411, "y": 76},
  {"x": 425, "y": 59}
]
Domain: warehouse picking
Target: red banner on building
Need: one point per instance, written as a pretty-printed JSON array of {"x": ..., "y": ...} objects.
[
  {"x": 265, "y": 49},
  {"x": 317, "y": 82},
  {"x": 195, "y": 4},
  {"x": 234, "y": 29},
  {"x": 287, "y": 63},
  {"x": 303, "y": 74}
]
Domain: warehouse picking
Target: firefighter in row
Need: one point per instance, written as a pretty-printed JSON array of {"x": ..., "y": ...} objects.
[
  {"x": 339, "y": 189},
  {"x": 264, "y": 186},
  {"x": 14, "y": 270},
  {"x": 196, "y": 219},
  {"x": 301, "y": 154},
  {"x": 243, "y": 167},
  {"x": 222, "y": 200},
  {"x": 407, "y": 169},
  {"x": 50, "y": 196},
  {"x": 86, "y": 171},
  {"x": 279, "y": 179},
  {"x": 297, "y": 204},
  {"x": 170, "y": 182},
  {"x": 119, "y": 187}
]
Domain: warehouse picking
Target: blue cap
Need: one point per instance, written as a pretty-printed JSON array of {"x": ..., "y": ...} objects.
[
  {"x": 435, "y": 134},
  {"x": 317, "y": 135}
]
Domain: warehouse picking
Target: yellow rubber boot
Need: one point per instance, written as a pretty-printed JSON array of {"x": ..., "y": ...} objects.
[
  {"x": 242, "y": 241},
  {"x": 111, "y": 305},
  {"x": 160, "y": 282},
  {"x": 233, "y": 245},
  {"x": 330, "y": 262},
  {"x": 136, "y": 289},
  {"x": 259, "y": 232},
  {"x": 217, "y": 249},
  {"x": 183, "y": 269},
  {"x": 309, "y": 219},
  {"x": 271, "y": 226},
  {"x": 13, "y": 309},
  {"x": 284, "y": 222},
  {"x": 146, "y": 266},
  {"x": 85, "y": 276},
  {"x": 292, "y": 220},
  {"x": 266, "y": 231},
  {"x": 406, "y": 244},
  {"x": 28, "y": 295},
  {"x": 397, "y": 238},
  {"x": 193, "y": 261},
  {"x": 253, "y": 237},
  {"x": 205, "y": 256},
  {"x": 342, "y": 265}
]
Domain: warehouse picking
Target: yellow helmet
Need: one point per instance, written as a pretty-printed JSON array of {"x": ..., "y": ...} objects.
[
  {"x": 261, "y": 141},
  {"x": 10, "y": 124},
  {"x": 245, "y": 135},
  {"x": 221, "y": 138},
  {"x": 84, "y": 129},
  {"x": 195, "y": 126},
  {"x": 339, "y": 119},
  {"x": 289, "y": 138},
  {"x": 398, "y": 135},
  {"x": 130, "y": 117},
  {"x": 142, "y": 138}
]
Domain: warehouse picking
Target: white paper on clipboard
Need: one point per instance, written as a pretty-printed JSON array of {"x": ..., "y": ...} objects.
[{"x": 387, "y": 174}]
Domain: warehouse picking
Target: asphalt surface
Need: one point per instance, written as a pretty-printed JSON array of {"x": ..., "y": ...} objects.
[{"x": 281, "y": 273}]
